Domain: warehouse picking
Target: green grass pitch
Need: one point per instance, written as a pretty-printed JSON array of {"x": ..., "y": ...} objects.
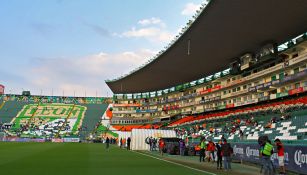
[{"x": 80, "y": 158}]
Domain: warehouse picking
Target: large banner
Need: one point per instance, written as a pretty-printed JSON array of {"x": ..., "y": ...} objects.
[
  {"x": 57, "y": 140},
  {"x": 75, "y": 140},
  {"x": 295, "y": 156},
  {"x": 15, "y": 139}
]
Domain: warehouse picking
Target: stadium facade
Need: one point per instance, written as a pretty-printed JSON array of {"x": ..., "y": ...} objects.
[
  {"x": 227, "y": 57},
  {"x": 237, "y": 71}
]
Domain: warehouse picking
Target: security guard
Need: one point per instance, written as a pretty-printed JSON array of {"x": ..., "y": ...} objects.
[
  {"x": 266, "y": 153},
  {"x": 202, "y": 150}
]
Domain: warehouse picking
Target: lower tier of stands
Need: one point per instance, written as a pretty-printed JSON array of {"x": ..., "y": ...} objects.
[{"x": 286, "y": 120}]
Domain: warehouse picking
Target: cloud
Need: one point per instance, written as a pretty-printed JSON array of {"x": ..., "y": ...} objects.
[
  {"x": 151, "y": 33},
  {"x": 152, "y": 29},
  {"x": 82, "y": 74},
  {"x": 151, "y": 21},
  {"x": 190, "y": 9}
]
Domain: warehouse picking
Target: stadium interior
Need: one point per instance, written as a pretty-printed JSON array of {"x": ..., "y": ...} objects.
[{"x": 237, "y": 87}]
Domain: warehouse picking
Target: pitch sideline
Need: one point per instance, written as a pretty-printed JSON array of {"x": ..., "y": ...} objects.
[{"x": 178, "y": 164}]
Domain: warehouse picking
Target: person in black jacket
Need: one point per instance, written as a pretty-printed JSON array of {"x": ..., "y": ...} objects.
[
  {"x": 107, "y": 143},
  {"x": 226, "y": 153},
  {"x": 218, "y": 148},
  {"x": 128, "y": 143}
]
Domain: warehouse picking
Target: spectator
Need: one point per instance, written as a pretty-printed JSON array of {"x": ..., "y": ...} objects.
[
  {"x": 241, "y": 134},
  {"x": 181, "y": 147},
  {"x": 218, "y": 148},
  {"x": 226, "y": 151},
  {"x": 280, "y": 154},
  {"x": 150, "y": 144},
  {"x": 161, "y": 146},
  {"x": 268, "y": 125},
  {"x": 211, "y": 148},
  {"x": 154, "y": 144},
  {"x": 121, "y": 143},
  {"x": 128, "y": 143},
  {"x": 107, "y": 143}
]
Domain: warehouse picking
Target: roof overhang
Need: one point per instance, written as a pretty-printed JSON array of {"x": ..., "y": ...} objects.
[{"x": 223, "y": 32}]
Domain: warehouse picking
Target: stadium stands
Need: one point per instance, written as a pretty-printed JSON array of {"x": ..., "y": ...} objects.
[
  {"x": 9, "y": 110},
  {"x": 55, "y": 99},
  {"x": 286, "y": 120},
  {"x": 32, "y": 116}
]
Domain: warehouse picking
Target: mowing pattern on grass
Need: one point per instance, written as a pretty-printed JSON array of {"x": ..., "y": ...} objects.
[
  {"x": 48, "y": 119},
  {"x": 76, "y": 158}
]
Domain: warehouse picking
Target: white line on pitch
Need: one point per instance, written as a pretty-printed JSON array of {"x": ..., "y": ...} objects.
[{"x": 179, "y": 164}]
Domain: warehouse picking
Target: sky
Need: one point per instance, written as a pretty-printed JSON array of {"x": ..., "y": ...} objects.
[{"x": 70, "y": 47}]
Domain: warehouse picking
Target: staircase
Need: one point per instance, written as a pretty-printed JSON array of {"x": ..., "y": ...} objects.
[
  {"x": 9, "y": 110},
  {"x": 2, "y": 104},
  {"x": 92, "y": 117},
  {"x": 105, "y": 126}
]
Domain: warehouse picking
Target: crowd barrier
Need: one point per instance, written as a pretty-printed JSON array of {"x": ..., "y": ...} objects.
[
  {"x": 295, "y": 156},
  {"x": 18, "y": 139}
]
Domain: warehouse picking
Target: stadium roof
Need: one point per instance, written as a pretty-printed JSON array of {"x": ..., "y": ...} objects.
[{"x": 222, "y": 32}]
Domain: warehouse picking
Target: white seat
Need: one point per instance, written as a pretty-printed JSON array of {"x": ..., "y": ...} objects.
[
  {"x": 268, "y": 132},
  {"x": 302, "y": 130}
]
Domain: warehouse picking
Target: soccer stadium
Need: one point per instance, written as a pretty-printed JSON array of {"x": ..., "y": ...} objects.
[{"x": 228, "y": 95}]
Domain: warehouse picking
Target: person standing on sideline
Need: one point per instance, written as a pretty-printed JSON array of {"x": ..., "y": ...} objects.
[
  {"x": 281, "y": 157},
  {"x": 107, "y": 143},
  {"x": 211, "y": 148},
  {"x": 226, "y": 151},
  {"x": 150, "y": 144},
  {"x": 181, "y": 147},
  {"x": 121, "y": 142},
  {"x": 202, "y": 150},
  {"x": 266, "y": 153},
  {"x": 128, "y": 143},
  {"x": 218, "y": 148},
  {"x": 161, "y": 146}
]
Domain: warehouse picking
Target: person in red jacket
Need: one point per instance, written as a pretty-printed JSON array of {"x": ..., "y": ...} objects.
[
  {"x": 211, "y": 149},
  {"x": 281, "y": 156},
  {"x": 161, "y": 146}
]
